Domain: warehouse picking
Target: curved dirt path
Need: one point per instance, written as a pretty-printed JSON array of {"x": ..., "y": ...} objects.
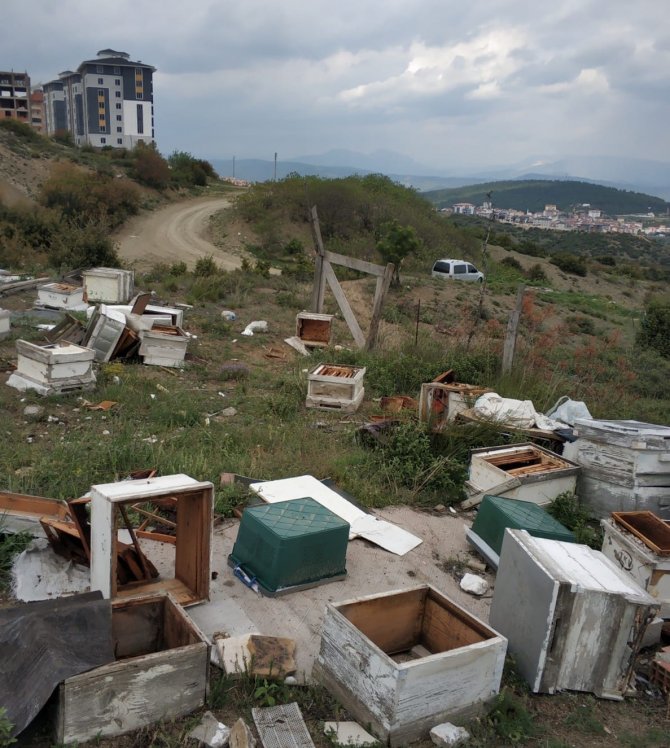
[{"x": 176, "y": 233}]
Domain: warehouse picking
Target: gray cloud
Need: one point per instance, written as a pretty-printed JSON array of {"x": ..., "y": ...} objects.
[{"x": 444, "y": 82}]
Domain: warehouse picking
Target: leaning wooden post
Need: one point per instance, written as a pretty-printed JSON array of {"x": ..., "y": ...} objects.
[
  {"x": 512, "y": 329},
  {"x": 319, "y": 288},
  {"x": 383, "y": 283}
]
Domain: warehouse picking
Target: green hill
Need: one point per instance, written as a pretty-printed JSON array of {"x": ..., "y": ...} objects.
[{"x": 533, "y": 195}]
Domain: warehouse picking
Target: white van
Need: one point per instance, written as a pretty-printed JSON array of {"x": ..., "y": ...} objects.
[{"x": 457, "y": 270}]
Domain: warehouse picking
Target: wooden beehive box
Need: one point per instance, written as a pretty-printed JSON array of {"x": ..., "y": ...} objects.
[
  {"x": 405, "y": 661},
  {"x": 194, "y": 507},
  {"x": 161, "y": 670},
  {"x": 440, "y": 403},
  {"x": 61, "y": 296},
  {"x": 541, "y": 474},
  {"x": 112, "y": 285},
  {"x": 315, "y": 330},
  {"x": 335, "y": 387},
  {"x": 52, "y": 369},
  {"x": 164, "y": 346}
]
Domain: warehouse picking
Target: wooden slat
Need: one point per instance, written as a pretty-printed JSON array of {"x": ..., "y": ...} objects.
[
  {"x": 343, "y": 303},
  {"x": 354, "y": 263},
  {"x": 381, "y": 289},
  {"x": 445, "y": 627},
  {"x": 37, "y": 506}
]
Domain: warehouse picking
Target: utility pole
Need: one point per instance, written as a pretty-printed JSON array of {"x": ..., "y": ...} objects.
[
  {"x": 233, "y": 167},
  {"x": 275, "y": 179}
]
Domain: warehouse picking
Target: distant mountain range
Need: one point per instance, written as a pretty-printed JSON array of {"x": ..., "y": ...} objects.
[{"x": 651, "y": 177}]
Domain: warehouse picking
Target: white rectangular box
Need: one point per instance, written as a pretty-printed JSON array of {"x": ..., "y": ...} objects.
[
  {"x": 164, "y": 346},
  {"x": 542, "y": 475},
  {"x": 53, "y": 368},
  {"x": 61, "y": 296},
  {"x": 402, "y": 662},
  {"x": 650, "y": 570},
  {"x": 335, "y": 387},
  {"x": 104, "y": 332},
  {"x": 574, "y": 620},
  {"x": 112, "y": 285},
  {"x": 315, "y": 330}
]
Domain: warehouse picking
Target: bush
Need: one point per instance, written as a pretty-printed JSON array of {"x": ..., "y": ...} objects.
[
  {"x": 150, "y": 168},
  {"x": 205, "y": 266},
  {"x": 655, "y": 327},
  {"x": 512, "y": 262},
  {"x": 20, "y": 129},
  {"x": 178, "y": 268},
  {"x": 571, "y": 514},
  {"x": 536, "y": 273},
  {"x": 569, "y": 263}
]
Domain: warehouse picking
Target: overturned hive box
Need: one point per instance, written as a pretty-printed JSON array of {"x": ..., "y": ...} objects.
[
  {"x": 537, "y": 474},
  {"x": 291, "y": 545},
  {"x": 164, "y": 346},
  {"x": 161, "y": 670},
  {"x": 112, "y": 285},
  {"x": 639, "y": 542},
  {"x": 335, "y": 387},
  {"x": 52, "y": 369},
  {"x": 315, "y": 330},
  {"x": 574, "y": 620},
  {"x": 61, "y": 296},
  {"x": 189, "y": 583},
  {"x": 497, "y": 513},
  {"x": 440, "y": 403},
  {"x": 405, "y": 661}
]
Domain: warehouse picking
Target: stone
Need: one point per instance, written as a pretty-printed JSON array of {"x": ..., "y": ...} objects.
[
  {"x": 440, "y": 507},
  {"x": 241, "y": 736},
  {"x": 229, "y": 412},
  {"x": 474, "y": 584},
  {"x": 210, "y": 732},
  {"x": 33, "y": 412},
  {"x": 348, "y": 733},
  {"x": 449, "y": 735}
]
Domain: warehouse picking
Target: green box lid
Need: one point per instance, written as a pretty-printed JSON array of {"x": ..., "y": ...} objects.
[{"x": 496, "y": 513}]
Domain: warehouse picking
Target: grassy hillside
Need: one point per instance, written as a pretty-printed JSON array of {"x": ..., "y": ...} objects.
[{"x": 534, "y": 195}]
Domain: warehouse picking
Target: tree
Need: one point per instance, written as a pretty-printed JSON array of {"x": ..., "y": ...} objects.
[
  {"x": 398, "y": 243},
  {"x": 150, "y": 167},
  {"x": 655, "y": 327}
]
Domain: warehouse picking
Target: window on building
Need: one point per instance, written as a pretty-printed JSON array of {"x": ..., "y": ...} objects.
[
  {"x": 117, "y": 94},
  {"x": 119, "y": 141},
  {"x": 101, "y": 92},
  {"x": 139, "y": 95},
  {"x": 118, "y": 118},
  {"x": 118, "y": 106},
  {"x": 117, "y": 71},
  {"x": 103, "y": 128},
  {"x": 100, "y": 81},
  {"x": 99, "y": 69},
  {"x": 117, "y": 81},
  {"x": 103, "y": 140},
  {"x": 140, "y": 120},
  {"x": 119, "y": 129}
]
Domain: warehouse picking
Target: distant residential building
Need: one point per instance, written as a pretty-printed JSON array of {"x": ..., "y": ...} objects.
[
  {"x": 594, "y": 213},
  {"x": 15, "y": 96},
  {"x": 37, "y": 109},
  {"x": 108, "y": 101},
  {"x": 467, "y": 209}
]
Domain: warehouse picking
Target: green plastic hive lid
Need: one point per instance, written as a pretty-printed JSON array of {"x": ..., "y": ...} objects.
[
  {"x": 291, "y": 544},
  {"x": 497, "y": 513}
]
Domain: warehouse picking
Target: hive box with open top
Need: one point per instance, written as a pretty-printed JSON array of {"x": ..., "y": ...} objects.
[
  {"x": 161, "y": 671},
  {"x": 335, "y": 387},
  {"x": 407, "y": 660},
  {"x": 314, "y": 329},
  {"x": 290, "y": 545},
  {"x": 52, "y": 369}
]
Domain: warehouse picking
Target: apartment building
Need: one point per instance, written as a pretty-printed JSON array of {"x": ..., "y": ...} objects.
[
  {"x": 107, "y": 101},
  {"x": 15, "y": 96},
  {"x": 37, "y": 109}
]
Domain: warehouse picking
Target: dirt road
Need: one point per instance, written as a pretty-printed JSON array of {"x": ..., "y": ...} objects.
[{"x": 176, "y": 233}]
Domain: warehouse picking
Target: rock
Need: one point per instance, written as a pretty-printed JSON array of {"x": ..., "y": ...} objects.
[
  {"x": 228, "y": 315},
  {"x": 210, "y": 732},
  {"x": 348, "y": 733},
  {"x": 291, "y": 680},
  {"x": 229, "y": 412},
  {"x": 33, "y": 412},
  {"x": 474, "y": 584},
  {"x": 449, "y": 735},
  {"x": 440, "y": 507},
  {"x": 240, "y": 736},
  {"x": 475, "y": 565}
]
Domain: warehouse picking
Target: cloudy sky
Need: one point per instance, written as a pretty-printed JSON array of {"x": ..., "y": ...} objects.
[{"x": 449, "y": 84}]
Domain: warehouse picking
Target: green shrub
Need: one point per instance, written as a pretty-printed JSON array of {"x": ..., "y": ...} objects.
[
  {"x": 655, "y": 327},
  {"x": 512, "y": 262},
  {"x": 205, "y": 267},
  {"x": 178, "y": 268},
  {"x": 20, "y": 129},
  {"x": 571, "y": 514},
  {"x": 570, "y": 263},
  {"x": 536, "y": 273}
]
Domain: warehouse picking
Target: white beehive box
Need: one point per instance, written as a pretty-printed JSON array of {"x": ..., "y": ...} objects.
[
  {"x": 625, "y": 466},
  {"x": 440, "y": 403},
  {"x": 161, "y": 672},
  {"x": 104, "y": 332},
  {"x": 315, "y": 330},
  {"x": 541, "y": 474},
  {"x": 61, "y": 296},
  {"x": 335, "y": 387},
  {"x": 402, "y": 662},
  {"x": 649, "y": 568},
  {"x": 164, "y": 346},
  {"x": 5, "y": 323},
  {"x": 112, "y": 285},
  {"x": 53, "y": 369},
  {"x": 574, "y": 620}
]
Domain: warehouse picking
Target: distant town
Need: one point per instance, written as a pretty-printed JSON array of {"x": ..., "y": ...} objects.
[{"x": 582, "y": 217}]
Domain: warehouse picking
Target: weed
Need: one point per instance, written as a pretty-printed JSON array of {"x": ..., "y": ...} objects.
[
  {"x": 268, "y": 692},
  {"x": 508, "y": 722},
  {"x": 569, "y": 512},
  {"x": 205, "y": 267},
  {"x": 6, "y": 727},
  {"x": 11, "y": 545}
]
